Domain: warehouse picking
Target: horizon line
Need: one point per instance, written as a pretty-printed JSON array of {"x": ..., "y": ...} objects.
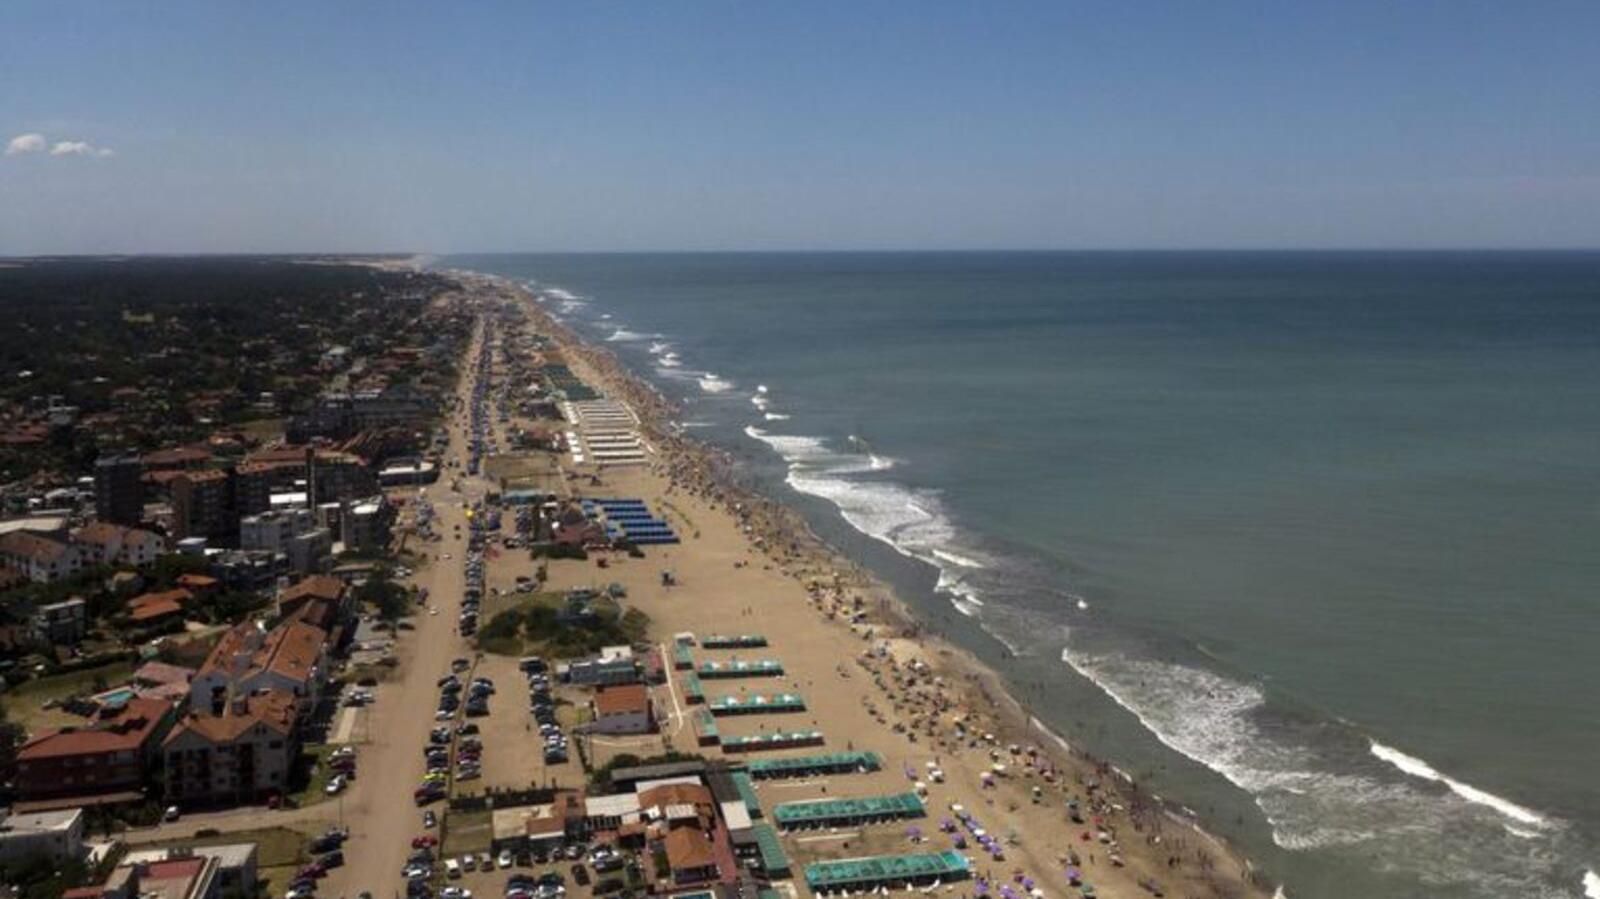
[{"x": 354, "y": 254}]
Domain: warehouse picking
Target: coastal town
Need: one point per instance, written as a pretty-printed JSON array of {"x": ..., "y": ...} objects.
[{"x": 389, "y": 585}]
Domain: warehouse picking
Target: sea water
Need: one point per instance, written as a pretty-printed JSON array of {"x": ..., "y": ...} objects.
[{"x": 1306, "y": 542}]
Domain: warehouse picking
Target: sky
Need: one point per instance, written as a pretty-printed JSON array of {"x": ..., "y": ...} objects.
[{"x": 465, "y": 126}]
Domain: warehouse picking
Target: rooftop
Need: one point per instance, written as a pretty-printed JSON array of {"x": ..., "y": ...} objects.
[
  {"x": 625, "y": 699},
  {"x": 39, "y": 822},
  {"x": 119, "y": 729}
]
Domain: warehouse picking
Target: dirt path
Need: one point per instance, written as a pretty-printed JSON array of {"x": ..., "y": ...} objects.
[{"x": 378, "y": 809}]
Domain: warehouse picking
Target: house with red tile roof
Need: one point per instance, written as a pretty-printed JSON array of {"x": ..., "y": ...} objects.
[
  {"x": 242, "y": 754},
  {"x": 104, "y": 543},
  {"x": 623, "y": 709},
  {"x": 108, "y": 761},
  {"x": 690, "y": 855},
  {"x": 249, "y": 659},
  {"x": 177, "y": 457},
  {"x": 42, "y": 559},
  {"x": 148, "y": 609}
]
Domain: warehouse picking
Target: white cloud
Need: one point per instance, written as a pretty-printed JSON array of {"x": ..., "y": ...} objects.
[
  {"x": 25, "y": 143},
  {"x": 79, "y": 148}
]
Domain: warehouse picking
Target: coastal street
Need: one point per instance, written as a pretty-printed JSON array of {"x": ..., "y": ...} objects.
[{"x": 378, "y": 808}]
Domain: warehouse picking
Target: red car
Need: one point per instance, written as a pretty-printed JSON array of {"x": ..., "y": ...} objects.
[
  {"x": 312, "y": 872},
  {"x": 426, "y": 841}
]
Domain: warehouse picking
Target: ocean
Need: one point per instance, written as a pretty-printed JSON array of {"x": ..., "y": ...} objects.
[{"x": 1305, "y": 542}]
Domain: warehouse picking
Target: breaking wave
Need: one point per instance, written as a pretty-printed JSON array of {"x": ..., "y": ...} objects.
[
  {"x": 1395, "y": 811},
  {"x": 913, "y": 522},
  {"x": 1418, "y": 768},
  {"x": 711, "y": 383}
]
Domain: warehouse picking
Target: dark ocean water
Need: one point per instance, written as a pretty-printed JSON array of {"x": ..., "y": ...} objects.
[{"x": 1307, "y": 542}]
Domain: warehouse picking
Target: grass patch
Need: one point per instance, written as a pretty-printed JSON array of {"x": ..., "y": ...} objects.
[
  {"x": 570, "y": 716},
  {"x": 275, "y": 846},
  {"x": 25, "y": 701},
  {"x": 468, "y": 832},
  {"x": 312, "y": 763},
  {"x": 275, "y": 880},
  {"x": 535, "y": 625}
]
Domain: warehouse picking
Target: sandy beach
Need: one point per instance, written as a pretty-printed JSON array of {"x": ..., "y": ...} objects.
[{"x": 870, "y": 677}]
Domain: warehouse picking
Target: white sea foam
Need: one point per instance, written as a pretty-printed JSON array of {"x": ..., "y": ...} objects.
[
  {"x": 604, "y": 316},
  {"x": 670, "y": 360},
  {"x": 623, "y": 335},
  {"x": 957, "y": 559},
  {"x": 711, "y": 383},
  {"x": 776, "y": 416},
  {"x": 761, "y": 388},
  {"x": 1418, "y": 768},
  {"x": 760, "y": 401},
  {"x": 660, "y": 348},
  {"x": 556, "y": 293},
  {"x": 910, "y": 521},
  {"x": 1591, "y": 884},
  {"x": 1315, "y": 798}
]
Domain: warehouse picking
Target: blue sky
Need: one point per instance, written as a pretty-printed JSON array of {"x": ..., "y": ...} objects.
[{"x": 178, "y": 126}]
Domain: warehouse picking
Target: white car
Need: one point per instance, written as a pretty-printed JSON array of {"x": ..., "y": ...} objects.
[
  {"x": 335, "y": 786},
  {"x": 452, "y": 868},
  {"x": 455, "y": 893},
  {"x": 505, "y": 858}
]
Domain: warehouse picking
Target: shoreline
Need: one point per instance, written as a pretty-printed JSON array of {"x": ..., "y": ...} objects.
[{"x": 789, "y": 546}]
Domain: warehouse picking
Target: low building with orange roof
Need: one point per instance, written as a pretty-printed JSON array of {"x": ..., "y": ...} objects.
[
  {"x": 623, "y": 709},
  {"x": 148, "y": 609}
]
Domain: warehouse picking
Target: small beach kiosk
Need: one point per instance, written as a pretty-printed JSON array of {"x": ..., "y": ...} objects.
[
  {"x": 817, "y": 813},
  {"x": 856, "y": 875},
  {"x": 740, "y": 668},
  {"x": 815, "y": 765}
]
